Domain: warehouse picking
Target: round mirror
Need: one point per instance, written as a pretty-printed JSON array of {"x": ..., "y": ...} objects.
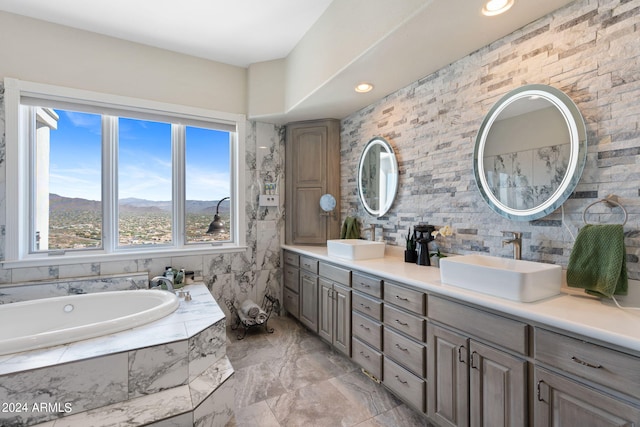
[
  {"x": 327, "y": 202},
  {"x": 377, "y": 176},
  {"x": 530, "y": 152}
]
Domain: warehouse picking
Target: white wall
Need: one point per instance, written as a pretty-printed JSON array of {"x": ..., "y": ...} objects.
[{"x": 38, "y": 51}]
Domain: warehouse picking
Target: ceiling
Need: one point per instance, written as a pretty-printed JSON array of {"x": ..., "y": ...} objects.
[
  {"x": 244, "y": 32},
  {"x": 236, "y": 32}
]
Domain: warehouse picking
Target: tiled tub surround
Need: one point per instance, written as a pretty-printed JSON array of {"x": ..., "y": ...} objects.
[
  {"x": 572, "y": 310},
  {"x": 588, "y": 49},
  {"x": 171, "y": 372},
  {"x": 63, "y": 287}
]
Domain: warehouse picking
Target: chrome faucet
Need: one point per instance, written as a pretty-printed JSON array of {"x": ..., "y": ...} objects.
[
  {"x": 372, "y": 230},
  {"x": 158, "y": 281},
  {"x": 516, "y": 242}
]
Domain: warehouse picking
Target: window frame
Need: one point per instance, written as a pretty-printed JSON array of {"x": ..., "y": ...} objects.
[{"x": 18, "y": 158}]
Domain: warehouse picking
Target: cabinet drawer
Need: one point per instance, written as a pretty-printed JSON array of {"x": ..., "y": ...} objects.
[
  {"x": 408, "y": 353},
  {"x": 507, "y": 333},
  {"x": 368, "y": 285},
  {"x": 367, "y": 357},
  {"x": 406, "y": 298},
  {"x": 404, "y": 384},
  {"x": 291, "y": 258},
  {"x": 291, "y": 278},
  {"x": 292, "y": 303},
  {"x": 366, "y": 305},
  {"x": 605, "y": 366},
  {"x": 309, "y": 264},
  {"x": 404, "y": 322},
  {"x": 337, "y": 274},
  {"x": 367, "y": 330}
]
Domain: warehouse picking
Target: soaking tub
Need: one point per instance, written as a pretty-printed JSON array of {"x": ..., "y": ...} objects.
[{"x": 47, "y": 322}]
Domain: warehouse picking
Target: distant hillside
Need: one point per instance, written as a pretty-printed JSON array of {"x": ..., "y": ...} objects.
[{"x": 59, "y": 203}]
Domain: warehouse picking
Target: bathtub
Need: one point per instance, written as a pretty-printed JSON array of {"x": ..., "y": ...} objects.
[{"x": 29, "y": 325}]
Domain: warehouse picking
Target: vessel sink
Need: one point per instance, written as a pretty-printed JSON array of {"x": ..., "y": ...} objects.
[
  {"x": 517, "y": 280},
  {"x": 355, "y": 249}
]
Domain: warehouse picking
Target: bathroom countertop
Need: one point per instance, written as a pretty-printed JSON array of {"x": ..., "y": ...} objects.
[
  {"x": 190, "y": 318},
  {"x": 572, "y": 310}
]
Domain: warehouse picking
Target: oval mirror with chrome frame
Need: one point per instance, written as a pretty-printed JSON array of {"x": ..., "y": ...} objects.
[
  {"x": 530, "y": 152},
  {"x": 377, "y": 176}
]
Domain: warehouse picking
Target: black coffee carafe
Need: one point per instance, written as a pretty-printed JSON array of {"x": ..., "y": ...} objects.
[{"x": 422, "y": 233}]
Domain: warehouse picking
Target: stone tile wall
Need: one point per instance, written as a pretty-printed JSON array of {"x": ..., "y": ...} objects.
[{"x": 591, "y": 50}]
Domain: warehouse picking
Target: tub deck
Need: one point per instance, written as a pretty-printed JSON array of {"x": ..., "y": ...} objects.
[{"x": 167, "y": 370}]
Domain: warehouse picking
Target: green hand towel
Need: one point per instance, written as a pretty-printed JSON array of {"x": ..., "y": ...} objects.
[
  {"x": 350, "y": 228},
  {"x": 598, "y": 261}
]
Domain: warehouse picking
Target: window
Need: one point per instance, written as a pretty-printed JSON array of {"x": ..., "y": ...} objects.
[{"x": 100, "y": 175}]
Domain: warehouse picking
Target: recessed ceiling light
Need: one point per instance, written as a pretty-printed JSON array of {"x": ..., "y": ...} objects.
[
  {"x": 364, "y": 87},
  {"x": 496, "y": 7}
]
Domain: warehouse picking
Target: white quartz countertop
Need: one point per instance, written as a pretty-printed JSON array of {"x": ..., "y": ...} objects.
[{"x": 572, "y": 310}]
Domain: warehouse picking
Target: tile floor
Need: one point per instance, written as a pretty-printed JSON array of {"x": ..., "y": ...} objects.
[{"x": 293, "y": 378}]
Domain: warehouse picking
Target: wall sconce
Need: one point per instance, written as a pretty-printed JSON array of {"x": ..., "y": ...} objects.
[{"x": 217, "y": 225}]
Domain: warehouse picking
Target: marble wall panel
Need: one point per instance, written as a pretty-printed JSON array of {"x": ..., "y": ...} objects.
[
  {"x": 158, "y": 368},
  {"x": 81, "y": 385}
]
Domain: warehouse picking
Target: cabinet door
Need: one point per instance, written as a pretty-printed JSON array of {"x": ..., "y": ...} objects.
[
  {"x": 312, "y": 169},
  {"x": 309, "y": 300},
  {"x": 325, "y": 309},
  {"x": 342, "y": 319},
  {"x": 562, "y": 402},
  {"x": 448, "y": 373},
  {"x": 497, "y": 385}
]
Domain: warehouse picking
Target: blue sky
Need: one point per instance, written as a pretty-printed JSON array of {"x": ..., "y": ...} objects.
[{"x": 144, "y": 159}]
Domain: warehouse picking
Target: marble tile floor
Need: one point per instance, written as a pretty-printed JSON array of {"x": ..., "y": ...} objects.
[{"x": 293, "y": 378}]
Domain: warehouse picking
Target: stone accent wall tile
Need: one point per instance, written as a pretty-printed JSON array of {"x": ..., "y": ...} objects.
[{"x": 588, "y": 49}]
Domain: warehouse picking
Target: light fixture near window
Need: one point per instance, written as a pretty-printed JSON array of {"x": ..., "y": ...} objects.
[
  {"x": 496, "y": 7},
  {"x": 364, "y": 87},
  {"x": 217, "y": 225}
]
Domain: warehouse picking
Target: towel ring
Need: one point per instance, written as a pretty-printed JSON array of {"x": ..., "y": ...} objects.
[{"x": 611, "y": 201}]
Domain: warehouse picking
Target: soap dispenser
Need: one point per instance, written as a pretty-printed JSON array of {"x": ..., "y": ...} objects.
[{"x": 422, "y": 233}]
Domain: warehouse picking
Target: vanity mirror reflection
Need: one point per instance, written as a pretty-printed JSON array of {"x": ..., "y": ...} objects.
[
  {"x": 377, "y": 176},
  {"x": 530, "y": 152}
]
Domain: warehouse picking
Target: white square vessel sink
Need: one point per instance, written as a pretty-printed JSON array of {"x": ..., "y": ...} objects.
[
  {"x": 355, "y": 249},
  {"x": 517, "y": 280}
]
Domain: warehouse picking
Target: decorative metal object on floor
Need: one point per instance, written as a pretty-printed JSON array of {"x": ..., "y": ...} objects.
[{"x": 269, "y": 305}]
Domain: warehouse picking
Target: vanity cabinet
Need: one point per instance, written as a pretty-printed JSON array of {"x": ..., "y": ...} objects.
[
  {"x": 309, "y": 293},
  {"x": 404, "y": 343},
  {"x": 334, "y": 306},
  {"x": 460, "y": 363},
  {"x": 471, "y": 382},
  {"x": 366, "y": 317},
  {"x": 291, "y": 291},
  {"x": 312, "y": 168},
  {"x": 606, "y": 382}
]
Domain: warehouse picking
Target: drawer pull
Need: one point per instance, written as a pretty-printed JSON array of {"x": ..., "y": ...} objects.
[
  {"x": 583, "y": 363},
  {"x": 401, "y": 323},
  {"x": 403, "y": 349},
  {"x": 366, "y": 307},
  {"x": 366, "y": 356},
  {"x": 401, "y": 298},
  {"x": 364, "y": 285},
  {"x": 400, "y": 380},
  {"x": 364, "y": 327}
]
